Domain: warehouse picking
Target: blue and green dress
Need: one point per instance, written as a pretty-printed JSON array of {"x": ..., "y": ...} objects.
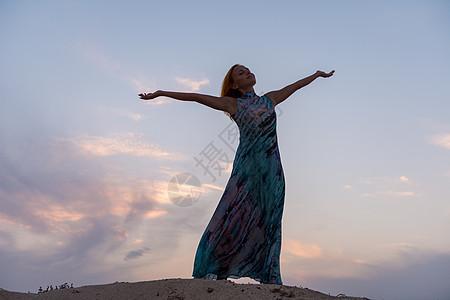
[{"x": 243, "y": 237}]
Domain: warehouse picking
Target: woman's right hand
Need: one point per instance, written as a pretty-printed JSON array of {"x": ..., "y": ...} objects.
[{"x": 149, "y": 96}]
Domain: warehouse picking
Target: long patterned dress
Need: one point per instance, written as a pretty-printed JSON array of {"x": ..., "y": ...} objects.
[{"x": 243, "y": 237}]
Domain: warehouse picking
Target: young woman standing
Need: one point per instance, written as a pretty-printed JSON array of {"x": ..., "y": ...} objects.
[{"x": 243, "y": 237}]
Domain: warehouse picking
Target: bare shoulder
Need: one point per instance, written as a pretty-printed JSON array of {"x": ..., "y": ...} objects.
[
  {"x": 230, "y": 104},
  {"x": 272, "y": 97}
]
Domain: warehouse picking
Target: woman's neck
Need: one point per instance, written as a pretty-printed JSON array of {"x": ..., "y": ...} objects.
[{"x": 247, "y": 90}]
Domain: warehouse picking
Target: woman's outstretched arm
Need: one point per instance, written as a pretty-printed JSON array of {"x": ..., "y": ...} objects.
[
  {"x": 227, "y": 104},
  {"x": 279, "y": 96}
]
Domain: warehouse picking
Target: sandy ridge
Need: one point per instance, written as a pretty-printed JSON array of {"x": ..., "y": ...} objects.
[{"x": 177, "y": 289}]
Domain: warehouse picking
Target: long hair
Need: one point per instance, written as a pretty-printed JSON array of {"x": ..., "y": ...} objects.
[{"x": 226, "y": 87}]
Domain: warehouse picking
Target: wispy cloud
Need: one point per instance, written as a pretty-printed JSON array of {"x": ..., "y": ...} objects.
[
  {"x": 441, "y": 137},
  {"x": 122, "y": 112},
  {"x": 301, "y": 249},
  {"x": 120, "y": 143},
  {"x": 402, "y": 245},
  {"x": 158, "y": 101},
  {"x": 136, "y": 253},
  {"x": 434, "y": 125},
  {"x": 192, "y": 85},
  {"x": 211, "y": 187},
  {"x": 388, "y": 193},
  {"x": 120, "y": 199},
  {"x": 60, "y": 210},
  {"x": 404, "y": 274},
  {"x": 391, "y": 187},
  {"x": 47, "y": 187},
  {"x": 137, "y": 82},
  {"x": 404, "y": 179},
  {"x": 188, "y": 85},
  {"x": 385, "y": 180},
  {"x": 132, "y": 115},
  {"x": 348, "y": 187},
  {"x": 140, "y": 85},
  {"x": 441, "y": 140}
]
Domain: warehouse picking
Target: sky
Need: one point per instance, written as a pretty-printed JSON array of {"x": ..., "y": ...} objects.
[{"x": 98, "y": 186}]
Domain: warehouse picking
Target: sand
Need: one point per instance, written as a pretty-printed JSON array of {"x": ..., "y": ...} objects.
[{"x": 177, "y": 289}]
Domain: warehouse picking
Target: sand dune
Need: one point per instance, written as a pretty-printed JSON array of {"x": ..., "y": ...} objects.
[{"x": 178, "y": 289}]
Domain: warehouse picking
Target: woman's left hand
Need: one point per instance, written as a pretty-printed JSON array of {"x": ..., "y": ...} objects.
[{"x": 323, "y": 74}]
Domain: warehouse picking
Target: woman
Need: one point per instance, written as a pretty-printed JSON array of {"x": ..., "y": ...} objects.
[{"x": 243, "y": 238}]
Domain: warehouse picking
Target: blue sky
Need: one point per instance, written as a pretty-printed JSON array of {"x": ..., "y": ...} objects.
[{"x": 85, "y": 165}]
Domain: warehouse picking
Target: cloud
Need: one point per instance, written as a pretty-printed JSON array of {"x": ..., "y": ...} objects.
[
  {"x": 403, "y": 245},
  {"x": 401, "y": 194},
  {"x": 158, "y": 101},
  {"x": 138, "y": 83},
  {"x": 301, "y": 249},
  {"x": 120, "y": 143},
  {"x": 211, "y": 187},
  {"x": 388, "y": 193},
  {"x": 348, "y": 187},
  {"x": 46, "y": 187},
  {"x": 385, "y": 180},
  {"x": 71, "y": 207},
  {"x": 434, "y": 125},
  {"x": 384, "y": 186},
  {"x": 441, "y": 140},
  {"x": 132, "y": 115},
  {"x": 136, "y": 253},
  {"x": 192, "y": 85},
  {"x": 400, "y": 273},
  {"x": 75, "y": 214},
  {"x": 419, "y": 276},
  {"x": 404, "y": 179},
  {"x": 142, "y": 209}
]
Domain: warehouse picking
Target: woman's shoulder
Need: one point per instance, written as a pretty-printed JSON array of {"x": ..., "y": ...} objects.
[
  {"x": 231, "y": 104},
  {"x": 269, "y": 97}
]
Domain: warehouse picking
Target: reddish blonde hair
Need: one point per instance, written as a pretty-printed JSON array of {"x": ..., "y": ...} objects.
[{"x": 227, "y": 83}]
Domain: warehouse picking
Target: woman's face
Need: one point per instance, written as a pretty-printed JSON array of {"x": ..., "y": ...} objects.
[{"x": 242, "y": 78}]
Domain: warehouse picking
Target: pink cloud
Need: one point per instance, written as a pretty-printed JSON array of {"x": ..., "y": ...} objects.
[
  {"x": 120, "y": 143},
  {"x": 302, "y": 249}
]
